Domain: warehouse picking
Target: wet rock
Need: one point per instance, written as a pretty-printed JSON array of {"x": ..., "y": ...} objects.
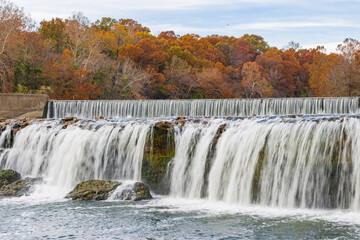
[
  {"x": 20, "y": 187},
  {"x": 132, "y": 191},
  {"x": 68, "y": 119},
  {"x": 164, "y": 125},
  {"x": 102, "y": 190},
  {"x": 20, "y": 125},
  {"x": 158, "y": 152},
  {"x": 8, "y": 176},
  {"x": 93, "y": 190},
  {"x": 180, "y": 121},
  {"x": 142, "y": 191}
]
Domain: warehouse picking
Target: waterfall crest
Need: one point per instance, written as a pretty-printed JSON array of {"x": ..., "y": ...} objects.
[{"x": 203, "y": 107}]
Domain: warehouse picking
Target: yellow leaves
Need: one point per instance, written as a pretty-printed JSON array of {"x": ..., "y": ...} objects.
[
  {"x": 67, "y": 56},
  {"x": 142, "y": 35}
]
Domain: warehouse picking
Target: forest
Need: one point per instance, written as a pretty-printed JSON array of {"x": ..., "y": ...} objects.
[{"x": 74, "y": 58}]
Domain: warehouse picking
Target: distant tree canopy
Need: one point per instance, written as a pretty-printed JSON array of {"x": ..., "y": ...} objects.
[{"x": 120, "y": 59}]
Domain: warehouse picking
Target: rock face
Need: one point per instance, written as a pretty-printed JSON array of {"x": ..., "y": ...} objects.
[
  {"x": 93, "y": 190},
  {"x": 20, "y": 187},
  {"x": 158, "y": 152},
  {"x": 102, "y": 190},
  {"x": 8, "y": 176}
]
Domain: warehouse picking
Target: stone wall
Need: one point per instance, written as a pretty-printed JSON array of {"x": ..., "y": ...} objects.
[{"x": 22, "y": 105}]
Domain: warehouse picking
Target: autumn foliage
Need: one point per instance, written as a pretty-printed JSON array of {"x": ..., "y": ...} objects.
[{"x": 120, "y": 59}]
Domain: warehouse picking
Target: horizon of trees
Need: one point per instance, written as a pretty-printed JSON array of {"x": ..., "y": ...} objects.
[{"x": 74, "y": 58}]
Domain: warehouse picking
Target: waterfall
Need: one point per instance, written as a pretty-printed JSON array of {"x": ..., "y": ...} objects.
[
  {"x": 204, "y": 107},
  {"x": 279, "y": 162},
  {"x": 82, "y": 151}
]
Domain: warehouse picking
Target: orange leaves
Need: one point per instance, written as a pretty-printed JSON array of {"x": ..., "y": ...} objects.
[
  {"x": 121, "y": 59},
  {"x": 68, "y": 81},
  {"x": 253, "y": 83},
  {"x": 336, "y": 74},
  {"x": 212, "y": 82}
]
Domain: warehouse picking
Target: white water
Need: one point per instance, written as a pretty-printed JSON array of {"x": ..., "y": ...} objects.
[
  {"x": 291, "y": 157},
  {"x": 65, "y": 157},
  {"x": 124, "y": 191},
  {"x": 282, "y": 162},
  {"x": 203, "y": 107}
]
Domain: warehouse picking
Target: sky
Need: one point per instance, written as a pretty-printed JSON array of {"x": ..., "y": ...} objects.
[{"x": 307, "y": 22}]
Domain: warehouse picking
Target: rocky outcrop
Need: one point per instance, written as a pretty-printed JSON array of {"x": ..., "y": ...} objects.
[
  {"x": 20, "y": 187},
  {"x": 93, "y": 190},
  {"x": 8, "y": 176},
  {"x": 159, "y": 150},
  {"x": 102, "y": 190}
]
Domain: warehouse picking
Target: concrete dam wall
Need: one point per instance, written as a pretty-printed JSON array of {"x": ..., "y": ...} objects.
[{"x": 22, "y": 105}]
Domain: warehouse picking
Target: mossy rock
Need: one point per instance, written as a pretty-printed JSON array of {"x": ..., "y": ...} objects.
[
  {"x": 8, "y": 176},
  {"x": 159, "y": 150},
  {"x": 93, "y": 190},
  {"x": 142, "y": 191},
  {"x": 20, "y": 187}
]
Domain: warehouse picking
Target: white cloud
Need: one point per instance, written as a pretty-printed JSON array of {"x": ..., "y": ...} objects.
[
  {"x": 178, "y": 28},
  {"x": 289, "y": 25},
  {"x": 144, "y": 4},
  {"x": 329, "y": 46}
]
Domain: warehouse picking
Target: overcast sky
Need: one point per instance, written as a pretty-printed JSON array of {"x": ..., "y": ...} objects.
[{"x": 309, "y": 22}]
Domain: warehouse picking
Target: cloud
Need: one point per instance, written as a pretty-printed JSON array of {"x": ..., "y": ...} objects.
[
  {"x": 157, "y": 5},
  {"x": 330, "y": 46},
  {"x": 288, "y": 25},
  {"x": 266, "y": 26},
  {"x": 278, "y": 21}
]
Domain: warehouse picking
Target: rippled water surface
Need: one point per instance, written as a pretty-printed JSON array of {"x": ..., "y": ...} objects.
[{"x": 166, "y": 218}]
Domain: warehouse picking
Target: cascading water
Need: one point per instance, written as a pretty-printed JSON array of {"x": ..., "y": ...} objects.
[
  {"x": 280, "y": 162},
  {"x": 203, "y": 107},
  {"x": 307, "y": 162},
  {"x": 85, "y": 150}
]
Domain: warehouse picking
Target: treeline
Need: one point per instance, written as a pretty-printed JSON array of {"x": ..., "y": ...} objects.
[{"x": 120, "y": 59}]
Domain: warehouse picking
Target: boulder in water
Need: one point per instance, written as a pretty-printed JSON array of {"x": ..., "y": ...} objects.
[
  {"x": 68, "y": 119},
  {"x": 20, "y": 187},
  {"x": 8, "y": 176},
  {"x": 93, "y": 190},
  {"x": 102, "y": 190},
  {"x": 134, "y": 191}
]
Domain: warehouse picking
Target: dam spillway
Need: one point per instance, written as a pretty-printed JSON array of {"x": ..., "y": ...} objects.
[
  {"x": 279, "y": 161},
  {"x": 287, "y": 153},
  {"x": 200, "y": 107}
]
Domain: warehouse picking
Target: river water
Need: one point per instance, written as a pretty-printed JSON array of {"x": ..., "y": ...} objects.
[{"x": 168, "y": 218}]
